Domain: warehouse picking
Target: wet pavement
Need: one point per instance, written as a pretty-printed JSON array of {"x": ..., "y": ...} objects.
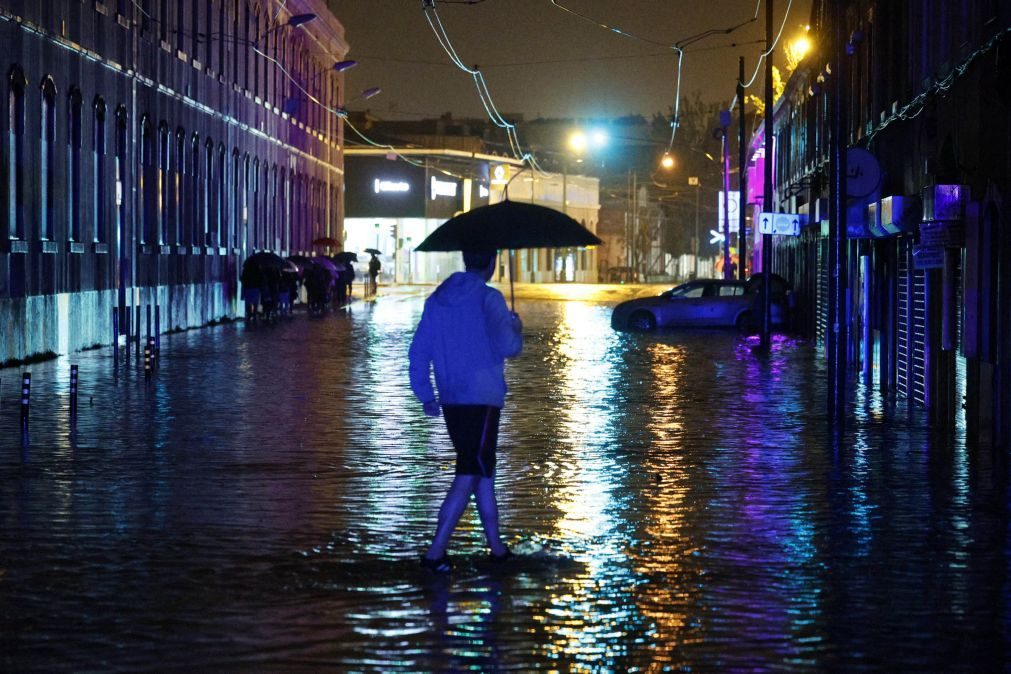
[{"x": 677, "y": 500}]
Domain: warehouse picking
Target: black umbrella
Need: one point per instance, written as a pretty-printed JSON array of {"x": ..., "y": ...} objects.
[
  {"x": 345, "y": 257},
  {"x": 373, "y": 251},
  {"x": 266, "y": 260},
  {"x": 509, "y": 225}
]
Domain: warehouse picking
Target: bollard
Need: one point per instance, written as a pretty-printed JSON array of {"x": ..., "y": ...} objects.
[
  {"x": 147, "y": 310},
  {"x": 136, "y": 330},
  {"x": 115, "y": 335},
  {"x": 73, "y": 392},
  {"x": 154, "y": 352},
  {"x": 26, "y": 396},
  {"x": 147, "y": 362}
]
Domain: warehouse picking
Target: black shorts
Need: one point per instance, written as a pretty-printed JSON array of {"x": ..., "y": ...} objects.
[{"x": 474, "y": 432}]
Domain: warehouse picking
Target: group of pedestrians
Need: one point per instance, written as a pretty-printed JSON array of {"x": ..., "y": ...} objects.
[{"x": 268, "y": 293}]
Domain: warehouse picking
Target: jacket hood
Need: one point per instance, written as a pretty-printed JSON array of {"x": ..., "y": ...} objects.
[{"x": 458, "y": 288}]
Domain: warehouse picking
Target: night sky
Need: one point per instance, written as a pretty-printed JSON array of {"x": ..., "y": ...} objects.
[{"x": 541, "y": 61}]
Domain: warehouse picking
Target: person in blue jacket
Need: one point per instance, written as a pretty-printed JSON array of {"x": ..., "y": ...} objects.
[{"x": 465, "y": 334}]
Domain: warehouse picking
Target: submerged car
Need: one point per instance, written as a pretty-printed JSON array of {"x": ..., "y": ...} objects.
[{"x": 704, "y": 303}]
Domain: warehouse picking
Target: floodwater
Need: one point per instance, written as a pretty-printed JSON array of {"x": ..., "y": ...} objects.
[{"x": 678, "y": 502}]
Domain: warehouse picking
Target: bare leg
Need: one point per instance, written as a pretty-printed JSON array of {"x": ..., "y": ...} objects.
[
  {"x": 487, "y": 508},
  {"x": 449, "y": 514}
]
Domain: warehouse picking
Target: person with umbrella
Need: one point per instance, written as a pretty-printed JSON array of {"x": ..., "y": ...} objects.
[
  {"x": 465, "y": 334},
  {"x": 374, "y": 267}
]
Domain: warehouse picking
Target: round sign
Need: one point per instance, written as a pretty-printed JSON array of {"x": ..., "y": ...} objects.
[{"x": 863, "y": 172}]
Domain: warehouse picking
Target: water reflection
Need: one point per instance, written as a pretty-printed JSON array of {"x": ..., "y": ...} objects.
[{"x": 678, "y": 498}]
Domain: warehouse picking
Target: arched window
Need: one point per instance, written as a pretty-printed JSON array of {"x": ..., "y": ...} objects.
[
  {"x": 247, "y": 180},
  {"x": 264, "y": 212},
  {"x": 221, "y": 200},
  {"x": 178, "y": 216},
  {"x": 274, "y": 238},
  {"x": 101, "y": 234},
  {"x": 195, "y": 207},
  {"x": 47, "y": 160},
  {"x": 208, "y": 192},
  {"x": 122, "y": 148},
  {"x": 74, "y": 165},
  {"x": 148, "y": 187},
  {"x": 285, "y": 203},
  {"x": 235, "y": 221},
  {"x": 166, "y": 193},
  {"x": 16, "y": 85},
  {"x": 253, "y": 55},
  {"x": 254, "y": 198}
]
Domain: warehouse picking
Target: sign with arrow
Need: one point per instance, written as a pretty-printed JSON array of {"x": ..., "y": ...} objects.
[
  {"x": 782, "y": 224},
  {"x": 715, "y": 237}
]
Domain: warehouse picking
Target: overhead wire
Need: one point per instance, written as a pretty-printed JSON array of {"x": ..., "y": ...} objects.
[{"x": 481, "y": 85}]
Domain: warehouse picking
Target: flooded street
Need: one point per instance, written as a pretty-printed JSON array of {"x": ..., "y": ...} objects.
[{"x": 678, "y": 503}]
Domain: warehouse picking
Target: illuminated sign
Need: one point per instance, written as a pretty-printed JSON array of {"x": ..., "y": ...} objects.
[
  {"x": 500, "y": 174},
  {"x": 390, "y": 186},
  {"x": 443, "y": 188}
]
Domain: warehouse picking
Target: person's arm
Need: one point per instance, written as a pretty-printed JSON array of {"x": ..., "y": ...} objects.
[
  {"x": 420, "y": 367},
  {"x": 504, "y": 327}
]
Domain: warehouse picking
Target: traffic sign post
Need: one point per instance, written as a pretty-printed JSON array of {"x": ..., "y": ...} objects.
[{"x": 782, "y": 224}]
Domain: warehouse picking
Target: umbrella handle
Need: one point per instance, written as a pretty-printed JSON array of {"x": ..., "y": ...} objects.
[{"x": 512, "y": 273}]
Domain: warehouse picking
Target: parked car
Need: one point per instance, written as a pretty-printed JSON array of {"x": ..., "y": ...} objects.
[{"x": 703, "y": 303}]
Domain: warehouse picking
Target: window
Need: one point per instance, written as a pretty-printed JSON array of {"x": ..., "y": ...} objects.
[
  {"x": 47, "y": 159},
  {"x": 148, "y": 187},
  {"x": 273, "y": 237},
  {"x": 122, "y": 148},
  {"x": 176, "y": 197},
  {"x": 165, "y": 182},
  {"x": 235, "y": 221},
  {"x": 254, "y": 197},
  {"x": 195, "y": 208},
  {"x": 221, "y": 200},
  {"x": 256, "y": 57},
  {"x": 180, "y": 24},
  {"x": 195, "y": 28},
  {"x": 16, "y": 85},
  {"x": 163, "y": 21},
  {"x": 247, "y": 180},
  {"x": 207, "y": 198},
  {"x": 74, "y": 165},
  {"x": 98, "y": 172}
]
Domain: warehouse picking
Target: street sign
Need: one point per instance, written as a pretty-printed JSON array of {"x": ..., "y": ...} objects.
[
  {"x": 928, "y": 257},
  {"x": 782, "y": 224},
  {"x": 715, "y": 237},
  {"x": 942, "y": 233},
  {"x": 693, "y": 181}
]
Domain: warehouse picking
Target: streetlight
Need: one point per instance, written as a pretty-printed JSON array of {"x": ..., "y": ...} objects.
[
  {"x": 341, "y": 66},
  {"x": 694, "y": 181}
]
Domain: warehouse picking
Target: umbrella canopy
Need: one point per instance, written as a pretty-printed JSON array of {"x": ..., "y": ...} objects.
[
  {"x": 508, "y": 225},
  {"x": 327, "y": 264},
  {"x": 266, "y": 260},
  {"x": 373, "y": 251},
  {"x": 345, "y": 257},
  {"x": 326, "y": 241},
  {"x": 300, "y": 260}
]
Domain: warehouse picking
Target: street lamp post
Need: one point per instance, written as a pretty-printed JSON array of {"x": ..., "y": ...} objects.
[{"x": 694, "y": 180}]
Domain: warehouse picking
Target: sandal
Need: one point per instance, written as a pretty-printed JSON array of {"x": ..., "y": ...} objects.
[{"x": 442, "y": 565}]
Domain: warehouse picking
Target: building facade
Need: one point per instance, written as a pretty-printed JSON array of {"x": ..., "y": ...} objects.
[
  {"x": 927, "y": 250},
  {"x": 149, "y": 146},
  {"x": 395, "y": 199}
]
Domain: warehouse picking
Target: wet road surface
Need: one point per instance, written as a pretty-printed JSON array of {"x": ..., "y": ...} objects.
[{"x": 677, "y": 501}]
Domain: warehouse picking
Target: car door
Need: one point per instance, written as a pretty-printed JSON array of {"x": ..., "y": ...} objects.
[
  {"x": 726, "y": 302},
  {"x": 685, "y": 305}
]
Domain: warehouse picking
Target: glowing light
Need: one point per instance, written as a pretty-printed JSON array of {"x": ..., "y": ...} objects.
[
  {"x": 667, "y": 162},
  {"x": 390, "y": 186},
  {"x": 578, "y": 141}
]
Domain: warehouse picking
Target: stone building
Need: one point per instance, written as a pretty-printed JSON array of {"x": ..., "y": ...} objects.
[{"x": 149, "y": 146}]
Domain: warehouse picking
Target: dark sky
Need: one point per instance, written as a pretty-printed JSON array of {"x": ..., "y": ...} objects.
[{"x": 541, "y": 61}]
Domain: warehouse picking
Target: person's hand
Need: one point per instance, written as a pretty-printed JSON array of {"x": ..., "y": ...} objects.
[
  {"x": 432, "y": 408},
  {"x": 517, "y": 322}
]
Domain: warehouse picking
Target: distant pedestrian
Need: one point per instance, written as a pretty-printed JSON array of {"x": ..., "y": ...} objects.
[
  {"x": 348, "y": 279},
  {"x": 465, "y": 334},
  {"x": 374, "y": 268}
]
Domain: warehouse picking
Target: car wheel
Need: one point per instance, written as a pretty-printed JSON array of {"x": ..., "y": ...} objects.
[
  {"x": 642, "y": 321},
  {"x": 744, "y": 322}
]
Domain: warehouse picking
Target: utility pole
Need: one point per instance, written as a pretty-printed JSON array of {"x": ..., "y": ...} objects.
[
  {"x": 725, "y": 225},
  {"x": 742, "y": 159},
  {"x": 767, "y": 201},
  {"x": 694, "y": 180},
  {"x": 837, "y": 339}
]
